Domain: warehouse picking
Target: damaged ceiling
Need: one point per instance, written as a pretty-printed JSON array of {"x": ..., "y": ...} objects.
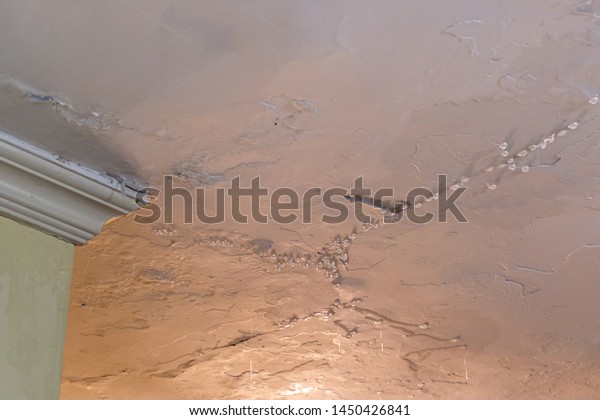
[{"x": 311, "y": 94}]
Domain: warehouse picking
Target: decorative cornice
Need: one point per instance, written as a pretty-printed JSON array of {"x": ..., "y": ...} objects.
[{"x": 57, "y": 196}]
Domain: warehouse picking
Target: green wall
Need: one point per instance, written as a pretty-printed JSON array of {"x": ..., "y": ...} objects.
[{"x": 35, "y": 280}]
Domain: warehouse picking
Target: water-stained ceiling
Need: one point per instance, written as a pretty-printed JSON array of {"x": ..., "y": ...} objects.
[{"x": 500, "y": 96}]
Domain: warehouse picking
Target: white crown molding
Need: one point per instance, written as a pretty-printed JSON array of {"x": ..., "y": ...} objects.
[{"x": 57, "y": 196}]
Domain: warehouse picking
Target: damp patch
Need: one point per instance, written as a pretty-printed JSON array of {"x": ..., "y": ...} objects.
[{"x": 193, "y": 170}]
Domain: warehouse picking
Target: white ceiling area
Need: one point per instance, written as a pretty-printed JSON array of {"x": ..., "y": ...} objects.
[{"x": 172, "y": 78}]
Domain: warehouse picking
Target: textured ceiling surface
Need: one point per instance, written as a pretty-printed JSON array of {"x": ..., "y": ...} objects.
[{"x": 500, "y": 96}]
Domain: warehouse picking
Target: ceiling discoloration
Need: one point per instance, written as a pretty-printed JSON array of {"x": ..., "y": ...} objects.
[{"x": 311, "y": 94}]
